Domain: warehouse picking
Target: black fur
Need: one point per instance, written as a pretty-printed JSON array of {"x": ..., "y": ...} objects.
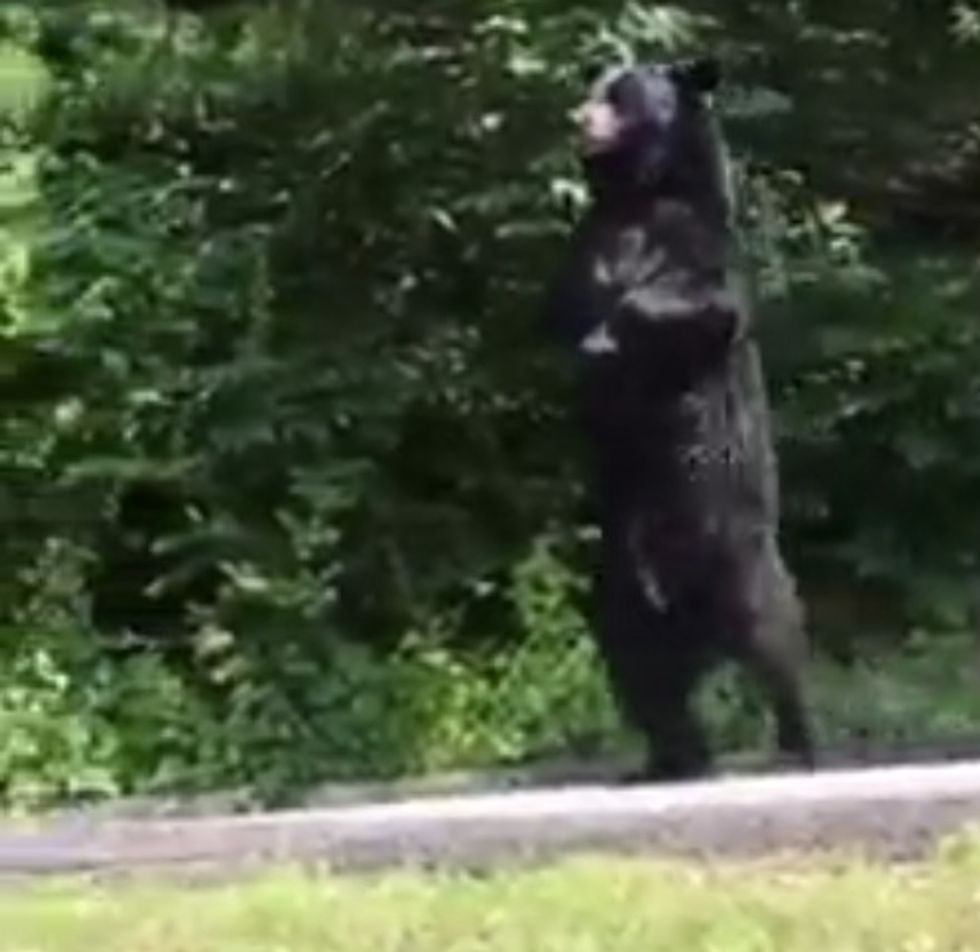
[{"x": 684, "y": 474}]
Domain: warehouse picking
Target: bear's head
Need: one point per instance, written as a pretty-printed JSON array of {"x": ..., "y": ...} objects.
[{"x": 648, "y": 129}]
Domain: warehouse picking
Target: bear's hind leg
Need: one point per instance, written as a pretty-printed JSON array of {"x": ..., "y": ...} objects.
[
  {"x": 775, "y": 650},
  {"x": 655, "y": 684},
  {"x": 653, "y": 676}
]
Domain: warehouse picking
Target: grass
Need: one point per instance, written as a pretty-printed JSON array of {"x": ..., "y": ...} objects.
[{"x": 579, "y": 905}]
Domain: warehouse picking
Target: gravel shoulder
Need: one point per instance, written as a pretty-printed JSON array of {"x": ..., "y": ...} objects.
[{"x": 892, "y": 812}]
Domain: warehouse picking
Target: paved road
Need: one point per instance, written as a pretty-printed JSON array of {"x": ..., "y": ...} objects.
[{"x": 894, "y": 812}]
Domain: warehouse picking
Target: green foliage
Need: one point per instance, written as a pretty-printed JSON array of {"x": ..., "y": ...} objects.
[
  {"x": 76, "y": 725},
  {"x": 921, "y": 693},
  {"x": 279, "y": 426},
  {"x": 81, "y": 722}
]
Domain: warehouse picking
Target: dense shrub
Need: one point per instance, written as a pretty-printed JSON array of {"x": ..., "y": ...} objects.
[{"x": 280, "y": 439}]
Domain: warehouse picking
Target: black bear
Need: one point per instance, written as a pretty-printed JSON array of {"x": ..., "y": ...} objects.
[{"x": 675, "y": 409}]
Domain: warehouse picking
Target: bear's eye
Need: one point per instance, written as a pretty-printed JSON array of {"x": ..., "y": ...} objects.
[{"x": 626, "y": 95}]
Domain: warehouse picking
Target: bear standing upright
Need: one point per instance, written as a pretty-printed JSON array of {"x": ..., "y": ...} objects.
[{"x": 684, "y": 476}]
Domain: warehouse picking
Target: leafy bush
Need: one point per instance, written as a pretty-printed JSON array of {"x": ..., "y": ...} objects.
[{"x": 280, "y": 433}]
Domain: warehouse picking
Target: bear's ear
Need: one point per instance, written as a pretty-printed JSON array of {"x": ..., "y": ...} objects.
[{"x": 701, "y": 75}]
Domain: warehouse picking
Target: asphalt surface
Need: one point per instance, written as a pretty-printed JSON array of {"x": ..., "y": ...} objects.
[{"x": 896, "y": 812}]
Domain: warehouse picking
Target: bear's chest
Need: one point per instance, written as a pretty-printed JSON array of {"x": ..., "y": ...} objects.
[{"x": 624, "y": 257}]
